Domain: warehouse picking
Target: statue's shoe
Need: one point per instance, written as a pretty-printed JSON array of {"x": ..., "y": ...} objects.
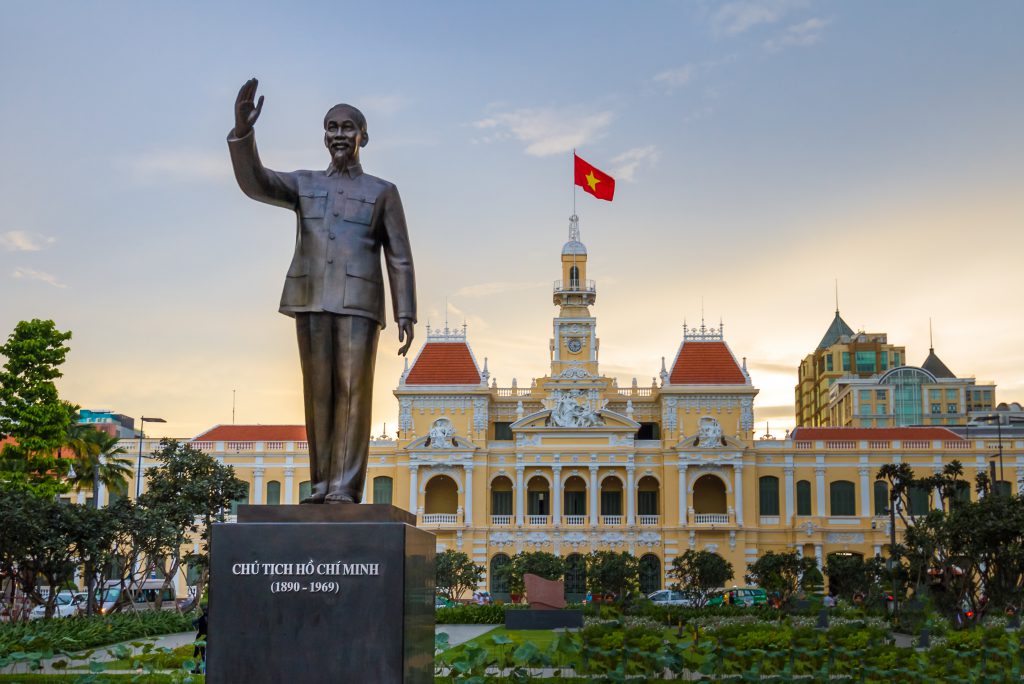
[
  {"x": 314, "y": 498},
  {"x": 339, "y": 499}
]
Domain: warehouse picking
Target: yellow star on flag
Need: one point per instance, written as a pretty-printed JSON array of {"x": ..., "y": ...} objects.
[{"x": 592, "y": 180}]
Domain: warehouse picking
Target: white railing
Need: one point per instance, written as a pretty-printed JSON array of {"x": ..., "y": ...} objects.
[
  {"x": 636, "y": 391},
  {"x": 611, "y": 519},
  {"x": 503, "y": 520},
  {"x": 440, "y": 518},
  {"x": 916, "y": 444},
  {"x": 514, "y": 391},
  {"x": 840, "y": 444},
  {"x": 648, "y": 520},
  {"x": 711, "y": 518},
  {"x": 538, "y": 520},
  {"x": 574, "y": 520},
  {"x": 769, "y": 520},
  {"x": 575, "y": 286}
]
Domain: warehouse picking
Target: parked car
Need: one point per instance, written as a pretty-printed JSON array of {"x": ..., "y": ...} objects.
[
  {"x": 669, "y": 597},
  {"x": 740, "y": 596},
  {"x": 67, "y": 605},
  {"x": 142, "y": 596}
]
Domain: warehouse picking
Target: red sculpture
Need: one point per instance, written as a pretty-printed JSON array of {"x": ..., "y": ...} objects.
[{"x": 543, "y": 594}]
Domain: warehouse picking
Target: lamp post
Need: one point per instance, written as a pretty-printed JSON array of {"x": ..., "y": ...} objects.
[{"x": 138, "y": 471}]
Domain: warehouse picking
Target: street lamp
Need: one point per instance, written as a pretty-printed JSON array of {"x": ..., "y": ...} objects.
[{"x": 138, "y": 471}]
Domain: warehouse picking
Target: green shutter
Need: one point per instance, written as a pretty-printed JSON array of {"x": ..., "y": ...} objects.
[
  {"x": 647, "y": 503},
  {"x": 273, "y": 493},
  {"x": 243, "y": 499},
  {"x": 305, "y": 490},
  {"x": 881, "y": 497},
  {"x": 843, "y": 499},
  {"x": 382, "y": 490},
  {"x": 768, "y": 495},
  {"x": 803, "y": 497}
]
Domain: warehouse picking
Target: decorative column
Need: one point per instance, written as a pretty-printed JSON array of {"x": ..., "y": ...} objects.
[
  {"x": 790, "y": 494},
  {"x": 414, "y": 486},
  {"x": 520, "y": 495},
  {"x": 594, "y": 495},
  {"x": 865, "y": 492},
  {"x": 682, "y": 493},
  {"x": 556, "y": 495},
  {"x": 256, "y": 496},
  {"x": 738, "y": 494},
  {"x": 799, "y": 548},
  {"x": 630, "y": 496},
  {"x": 819, "y": 477},
  {"x": 289, "y": 482},
  {"x": 878, "y": 550},
  {"x": 819, "y": 556},
  {"x": 468, "y": 512}
]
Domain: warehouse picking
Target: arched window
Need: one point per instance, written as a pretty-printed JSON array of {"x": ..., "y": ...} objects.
[
  {"x": 574, "y": 276},
  {"x": 243, "y": 499},
  {"x": 881, "y": 497},
  {"x": 501, "y": 496},
  {"x": 611, "y": 496},
  {"x": 709, "y": 495},
  {"x": 1003, "y": 488},
  {"x": 650, "y": 573},
  {"x": 575, "y": 578},
  {"x": 920, "y": 500},
  {"x": 499, "y": 583},
  {"x": 382, "y": 489},
  {"x": 647, "y": 496},
  {"x": 273, "y": 493},
  {"x": 441, "y": 495},
  {"x": 305, "y": 489},
  {"x": 842, "y": 498},
  {"x": 961, "y": 494},
  {"x": 575, "y": 492},
  {"x": 803, "y": 497},
  {"x": 768, "y": 495}
]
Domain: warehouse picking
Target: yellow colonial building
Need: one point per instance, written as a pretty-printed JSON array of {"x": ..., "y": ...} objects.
[{"x": 574, "y": 463}]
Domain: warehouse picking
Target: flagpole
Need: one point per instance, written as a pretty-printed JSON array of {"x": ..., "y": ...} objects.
[{"x": 574, "y": 181}]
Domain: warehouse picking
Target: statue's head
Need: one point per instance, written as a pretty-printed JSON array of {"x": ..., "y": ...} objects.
[{"x": 344, "y": 134}]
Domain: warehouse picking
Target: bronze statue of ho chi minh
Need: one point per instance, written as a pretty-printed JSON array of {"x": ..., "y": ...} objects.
[{"x": 334, "y": 288}]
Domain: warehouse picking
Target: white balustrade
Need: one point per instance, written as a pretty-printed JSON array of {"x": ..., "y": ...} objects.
[
  {"x": 501, "y": 520},
  {"x": 538, "y": 520},
  {"x": 649, "y": 520},
  {"x": 711, "y": 518},
  {"x": 611, "y": 519},
  {"x": 440, "y": 518},
  {"x": 574, "y": 520}
]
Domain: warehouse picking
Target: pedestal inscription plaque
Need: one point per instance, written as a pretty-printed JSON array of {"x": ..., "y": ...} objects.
[{"x": 347, "y": 596}]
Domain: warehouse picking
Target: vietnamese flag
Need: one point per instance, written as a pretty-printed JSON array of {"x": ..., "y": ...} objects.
[{"x": 593, "y": 180}]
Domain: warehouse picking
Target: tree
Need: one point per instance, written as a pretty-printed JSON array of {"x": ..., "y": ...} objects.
[
  {"x": 31, "y": 413},
  {"x": 456, "y": 574},
  {"x": 540, "y": 563},
  {"x": 700, "y": 574},
  {"x": 849, "y": 575},
  {"x": 189, "y": 491},
  {"x": 96, "y": 461},
  {"x": 612, "y": 573},
  {"x": 782, "y": 574}
]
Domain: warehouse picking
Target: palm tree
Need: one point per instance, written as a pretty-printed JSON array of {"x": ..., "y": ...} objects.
[{"x": 96, "y": 455}]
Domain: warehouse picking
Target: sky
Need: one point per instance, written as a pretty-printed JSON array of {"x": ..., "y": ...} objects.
[{"x": 764, "y": 151}]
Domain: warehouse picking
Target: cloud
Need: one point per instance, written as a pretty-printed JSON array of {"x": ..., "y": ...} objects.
[
  {"x": 32, "y": 274},
  {"x": 737, "y": 17},
  {"x": 798, "y": 35},
  {"x": 784, "y": 411},
  {"x": 771, "y": 367},
  {"x": 545, "y": 131},
  {"x": 676, "y": 78},
  {"x": 180, "y": 165},
  {"x": 21, "y": 241},
  {"x": 494, "y": 288},
  {"x": 625, "y": 165}
]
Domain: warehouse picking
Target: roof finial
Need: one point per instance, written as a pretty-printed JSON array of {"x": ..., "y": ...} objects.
[
  {"x": 574, "y": 228},
  {"x": 837, "y": 296},
  {"x": 446, "y": 331},
  {"x": 931, "y": 345}
]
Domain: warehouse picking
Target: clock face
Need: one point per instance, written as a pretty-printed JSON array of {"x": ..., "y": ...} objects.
[{"x": 574, "y": 344}]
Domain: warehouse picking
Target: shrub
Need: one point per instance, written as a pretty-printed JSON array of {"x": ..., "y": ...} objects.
[
  {"x": 79, "y": 633},
  {"x": 471, "y": 614}
]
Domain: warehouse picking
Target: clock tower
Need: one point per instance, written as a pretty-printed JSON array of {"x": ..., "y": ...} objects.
[{"x": 575, "y": 345}]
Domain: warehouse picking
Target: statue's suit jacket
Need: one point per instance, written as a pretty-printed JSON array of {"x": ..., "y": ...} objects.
[{"x": 344, "y": 221}]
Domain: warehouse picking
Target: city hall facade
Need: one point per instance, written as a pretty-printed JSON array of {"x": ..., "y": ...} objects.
[{"x": 575, "y": 463}]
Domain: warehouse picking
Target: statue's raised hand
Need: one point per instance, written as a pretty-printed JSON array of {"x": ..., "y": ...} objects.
[{"x": 246, "y": 110}]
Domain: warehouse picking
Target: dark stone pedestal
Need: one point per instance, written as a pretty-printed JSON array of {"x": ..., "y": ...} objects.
[
  {"x": 321, "y": 593},
  {"x": 543, "y": 619}
]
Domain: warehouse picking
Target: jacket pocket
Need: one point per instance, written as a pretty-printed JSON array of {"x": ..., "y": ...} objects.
[
  {"x": 359, "y": 209},
  {"x": 296, "y": 291},
  {"x": 313, "y": 204},
  {"x": 363, "y": 288}
]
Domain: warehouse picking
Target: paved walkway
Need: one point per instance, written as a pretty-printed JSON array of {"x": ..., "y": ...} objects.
[{"x": 457, "y": 634}]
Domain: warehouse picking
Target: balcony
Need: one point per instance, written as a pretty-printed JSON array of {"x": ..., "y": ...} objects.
[
  {"x": 613, "y": 520},
  {"x": 710, "y": 518},
  {"x": 649, "y": 520},
  {"x": 538, "y": 520},
  {"x": 501, "y": 520},
  {"x": 574, "y": 520},
  {"x": 575, "y": 286},
  {"x": 440, "y": 519}
]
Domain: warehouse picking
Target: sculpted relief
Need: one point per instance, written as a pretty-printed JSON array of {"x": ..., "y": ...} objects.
[
  {"x": 709, "y": 434},
  {"x": 571, "y": 410}
]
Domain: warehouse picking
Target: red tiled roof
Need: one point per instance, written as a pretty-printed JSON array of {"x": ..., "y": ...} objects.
[
  {"x": 851, "y": 433},
  {"x": 254, "y": 433},
  {"x": 706, "y": 363},
  {"x": 444, "y": 363}
]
